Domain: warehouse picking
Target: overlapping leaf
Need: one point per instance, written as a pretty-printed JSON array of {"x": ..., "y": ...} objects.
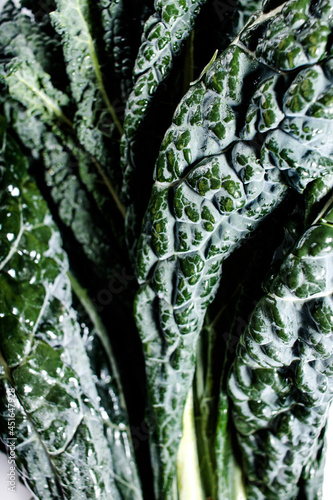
[
  {"x": 225, "y": 164},
  {"x": 238, "y": 292},
  {"x": 164, "y": 35},
  {"x": 95, "y": 117},
  {"x": 254, "y": 127},
  {"x": 246, "y": 11},
  {"x": 20, "y": 35},
  {"x": 163, "y": 39},
  {"x": 67, "y": 442},
  {"x": 123, "y": 23},
  {"x": 44, "y": 127},
  {"x": 281, "y": 379}
]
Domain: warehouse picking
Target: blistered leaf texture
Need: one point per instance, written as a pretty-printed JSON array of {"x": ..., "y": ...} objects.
[
  {"x": 163, "y": 38},
  {"x": 18, "y": 33},
  {"x": 68, "y": 444},
  {"x": 44, "y": 127},
  {"x": 95, "y": 118},
  {"x": 281, "y": 379},
  {"x": 26, "y": 52},
  {"x": 237, "y": 143},
  {"x": 247, "y": 9},
  {"x": 75, "y": 207},
  {"x": 28, "y": 83},
  {"x": 123, "y": 23}
]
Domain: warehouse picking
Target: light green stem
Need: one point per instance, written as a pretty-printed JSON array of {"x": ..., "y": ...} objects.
[{"x": 188, "y": 472}]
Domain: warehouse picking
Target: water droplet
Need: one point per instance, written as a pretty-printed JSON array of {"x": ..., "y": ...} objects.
[{"x": 105, "y": 416}]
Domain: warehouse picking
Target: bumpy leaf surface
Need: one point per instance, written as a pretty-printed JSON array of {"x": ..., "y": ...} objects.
[
  {"x": 123, "y": 22},
  {"x": 19, "y": 34},
  {"x": 68, "y": 444},
  {"x": 46, "y": 130},
  {"x": 95, "y": 120},
  {"x": 27, "y": 82},
  {"x": 247, "y": 9},
  {"x": 281, "y": 379},
  {"x": 26, "y": 55},
  {"x": 74, "y": 205},
  {"x": 255, "y": 125},
  {"x": 163, "y": 39},
  {"x": 164, "y": 34}
]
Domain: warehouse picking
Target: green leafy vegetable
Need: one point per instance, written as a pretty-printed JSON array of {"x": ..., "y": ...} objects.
[
  {"x": 213, "y": 185},
  {"x": 95, "y": 120},
  {"x": 164, "y": 35},
  {"x": 45, "y": 367},
  {"x": 73, "y": 23},
  {"x": 166, "y": 186},
  {"x": 41, "y": 130},
  {"x": 123, "y": 22},
  {"x": 280, "y": 380}
]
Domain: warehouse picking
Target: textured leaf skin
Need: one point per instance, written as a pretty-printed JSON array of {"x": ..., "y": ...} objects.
[
  {"x": 123, "y": 22},
  {"x": 95, "y": 120},
  {"x": 163, "y": 39},
  {"x": 218, "y": 173},
  {"x": 18, "y": 33},
  {"x": 28, "y": 83},
  {"x": 28, "y": 77},
  {"x": 312, "y": 480},
  {"x": 239, "y": 291},
  {"x": 246, "y": 10},
  {"x": 47, "y": 131},
  {"x": 63, "y": 432},
  {"x": 73, "y": 205},
  {"x": 27, "y": 54},
  {"x": 164, "y": 34},
  {"x": 281, "y": 379}
]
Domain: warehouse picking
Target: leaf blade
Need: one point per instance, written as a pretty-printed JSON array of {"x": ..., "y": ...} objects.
[
  {"x": 44, "y": 356},
  {"x": 182, "y": 244}
]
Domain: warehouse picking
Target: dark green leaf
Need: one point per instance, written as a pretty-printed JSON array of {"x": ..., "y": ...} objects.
[
  {"x": 164, "y": 35},
  {"x": 280, "y": 382},
  {"x": 67, "y": 443},
  {"x": 95, "y": 110},
  {"x": 221, "y": 169}
]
